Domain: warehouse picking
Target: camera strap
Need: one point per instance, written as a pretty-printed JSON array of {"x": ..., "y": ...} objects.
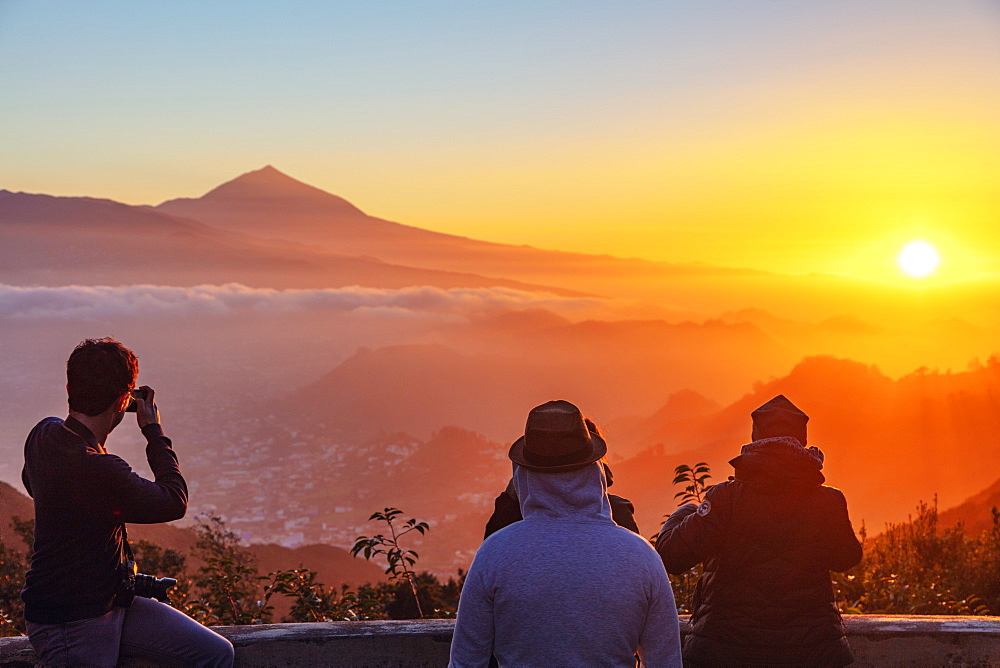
[
  {"x": 126, "y": 572},
  {"x": 128, "y": 548}
]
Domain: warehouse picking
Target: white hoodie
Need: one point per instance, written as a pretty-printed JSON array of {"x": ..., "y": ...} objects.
[{"x": 566, "y": 586}]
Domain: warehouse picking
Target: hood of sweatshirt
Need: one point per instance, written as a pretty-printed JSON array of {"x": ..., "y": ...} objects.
[
  {"x": 580, "y": 494},
  {"x": 780, "y": 461}
]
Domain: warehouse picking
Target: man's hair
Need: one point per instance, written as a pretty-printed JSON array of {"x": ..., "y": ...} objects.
[{"x": 98, "y": 373}]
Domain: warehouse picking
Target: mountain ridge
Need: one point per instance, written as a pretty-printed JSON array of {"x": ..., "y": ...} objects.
[{"x": 50, "y": 240}]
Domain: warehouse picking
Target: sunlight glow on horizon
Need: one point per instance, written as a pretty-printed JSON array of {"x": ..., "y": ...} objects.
[{"x": 918, "y": 259}]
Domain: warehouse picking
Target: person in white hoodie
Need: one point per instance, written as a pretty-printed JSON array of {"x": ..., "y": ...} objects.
[{"x": 566, "y": 585}]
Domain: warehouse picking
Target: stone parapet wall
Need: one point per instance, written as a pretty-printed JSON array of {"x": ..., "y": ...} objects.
[{"x": 884, "y": 641}]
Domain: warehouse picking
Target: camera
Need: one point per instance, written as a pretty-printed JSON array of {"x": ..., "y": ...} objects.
[
  {"x": 132, "y": 583},
  {"x": 150, "y": 586},
  {"x": 138, "y": 393}
]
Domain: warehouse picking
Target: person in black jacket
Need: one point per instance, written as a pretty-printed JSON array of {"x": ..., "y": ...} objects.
[
  {"x": 507, "y": 508},
  {"x": 80, "y": 601},
  {"x": 768, "y": 539}
]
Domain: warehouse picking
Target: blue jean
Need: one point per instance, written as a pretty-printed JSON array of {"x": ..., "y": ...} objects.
[{"x": 149, "y": 629}]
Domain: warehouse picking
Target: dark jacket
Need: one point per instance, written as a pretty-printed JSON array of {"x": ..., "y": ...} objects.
[
  {"x": 507, "y": 510},
  {"x": 768, "y": 539},
  {"x": 83, "y": 496}
]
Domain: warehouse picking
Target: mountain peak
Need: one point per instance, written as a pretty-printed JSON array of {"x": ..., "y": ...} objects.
[
  {"x": 268, "y": 174},
  {"x": 270, "y": 187},
  {"x": 267, "y": 178}
]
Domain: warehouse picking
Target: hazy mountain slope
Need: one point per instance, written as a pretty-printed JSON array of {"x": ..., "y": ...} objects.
[
  {"x": 609, "y": 369},
  {"x": 269, "y": 203},
  {"x": 976, "y": 512},
  {"x": 13, "y": 503},
  {"x": 74, "y": 240}
]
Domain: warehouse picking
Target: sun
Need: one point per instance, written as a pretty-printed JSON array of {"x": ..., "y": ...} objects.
[{"x": 918, "y": 259}]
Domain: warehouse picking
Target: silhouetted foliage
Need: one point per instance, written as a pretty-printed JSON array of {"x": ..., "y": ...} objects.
[
  {"x": 399, "y": 560},
  {"x": 155, "y": 560},
  {"x": 229, "y": 584},
  {"x": 916, "y": 567},
  {"x": 13, "y": 565},
  {"x": 25, "y": 529},
  {"x": 695, "y": 481},
  {"x": 315, "y": 602},
  {"x": 397, "y": 601}
]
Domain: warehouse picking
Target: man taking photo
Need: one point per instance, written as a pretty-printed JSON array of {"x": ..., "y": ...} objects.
[{"x": 80, "y": 602}]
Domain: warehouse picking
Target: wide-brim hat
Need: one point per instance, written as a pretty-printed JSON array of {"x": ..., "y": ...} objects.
[{"x": 556, "y": 439}]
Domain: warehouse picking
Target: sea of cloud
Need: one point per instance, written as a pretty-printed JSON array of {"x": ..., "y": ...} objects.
[{"x": 81, "y": 302}]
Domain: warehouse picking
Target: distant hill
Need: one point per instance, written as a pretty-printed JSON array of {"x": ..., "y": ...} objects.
[
  {"x": 47, "y": 240},
  {"x": 334, "y": 566},
  {"x": 13, "y": 504},
  {"x": 976, "y": 512},
  {"x": 270, "y": 204},
  {"x": 488, "y": 384},
  {"x": 888, "y": 443}
]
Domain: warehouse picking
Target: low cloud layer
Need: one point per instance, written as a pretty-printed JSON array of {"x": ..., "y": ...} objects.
[{"x": 99, "y": 302}]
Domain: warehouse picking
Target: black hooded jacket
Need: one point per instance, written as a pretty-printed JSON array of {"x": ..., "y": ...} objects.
[{"x": 768, "y": 539}]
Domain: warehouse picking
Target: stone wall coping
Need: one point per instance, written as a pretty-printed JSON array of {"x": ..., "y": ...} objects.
[
  {"x": 877, "y": 640},
  {"x": 246, "y": 635},
  {"x": 907, "y": 624}
]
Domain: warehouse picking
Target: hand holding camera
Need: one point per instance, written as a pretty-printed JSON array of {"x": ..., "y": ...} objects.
[{"x": 142, "y": 405}]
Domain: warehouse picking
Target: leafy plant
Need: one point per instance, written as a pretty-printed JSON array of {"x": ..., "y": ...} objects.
[
  {"x": 315, "y": 602},
  {"x": 229, "y": 582},
  {"x": 695, "y": 485},
  {"x": 13, "y": 565},
  {"x": 916, "y": 567},
  {"x": 399, "y": 560},
  {"x": 396, "y": 600},
  {"x": 694, "y": 480},
  {"x": 25, "y": 529}
]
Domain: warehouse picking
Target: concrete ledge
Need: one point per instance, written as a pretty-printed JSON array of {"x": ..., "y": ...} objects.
[
  {"x": 883, "y": 640},
  {"x": 396, "y": 643},
  {"x": 905, "y": 640}
]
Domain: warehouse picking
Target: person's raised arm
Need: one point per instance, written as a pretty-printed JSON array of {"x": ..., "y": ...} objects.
[
  {"x": 692, "y": 533},
  {"x": 844, "y": 548},
  {"x": 141, "y": 501}
]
